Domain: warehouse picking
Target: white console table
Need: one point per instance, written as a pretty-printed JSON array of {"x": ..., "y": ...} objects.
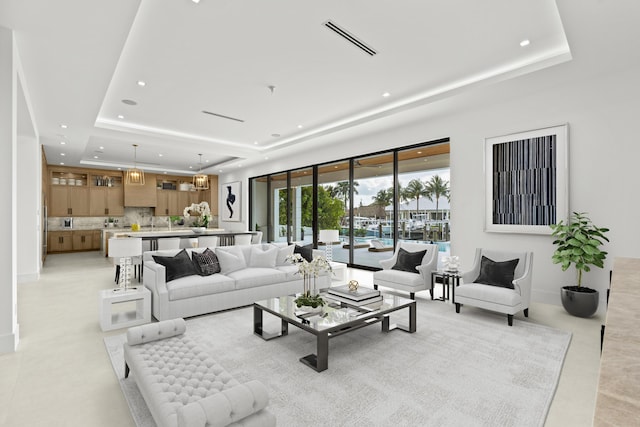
[{"x": 111, "y": 318}]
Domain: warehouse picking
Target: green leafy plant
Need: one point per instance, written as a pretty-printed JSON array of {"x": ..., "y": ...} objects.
[
  {"x": 578, "y": 242},
  {"x": 310, "y": 300}
]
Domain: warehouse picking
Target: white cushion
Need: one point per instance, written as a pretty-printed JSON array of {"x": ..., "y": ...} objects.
[
  {"x": 398, "y": 276},
  {"x": 263, "y": 257},
  {"x": 283, "y": 253},
  {"x": 290, "y": 270},
  {"x": 494, "y": 294},
  {"x": 231, "y": 259},
  {"x": 195, "y": 286},
  {"x": 252, "y": 277}
]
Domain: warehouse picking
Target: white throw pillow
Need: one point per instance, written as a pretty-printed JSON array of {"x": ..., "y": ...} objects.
[
  {"x": 231, "y": 259},
  {"x": 263, "y": 257},
  {"x": 283, "y": 253}
]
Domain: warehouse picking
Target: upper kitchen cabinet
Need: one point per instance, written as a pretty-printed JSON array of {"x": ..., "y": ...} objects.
[
  {"x": 143, "y": 196},
  {"x": 107, "y": 194},
  {"x": 69, "y": 193}
]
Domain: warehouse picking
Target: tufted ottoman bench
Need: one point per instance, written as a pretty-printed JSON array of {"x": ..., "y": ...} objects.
[{"x": 184, "y": 386}]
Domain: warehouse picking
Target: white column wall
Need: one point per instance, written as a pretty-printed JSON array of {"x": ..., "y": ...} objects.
[
  {"x": 9, "y": 330},
  {"x": 29, "y": 198}
]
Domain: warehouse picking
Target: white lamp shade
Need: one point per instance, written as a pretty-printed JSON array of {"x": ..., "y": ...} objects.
[
  {"x": 329, "y": 236},
  {"x": 125, "y": 247}
]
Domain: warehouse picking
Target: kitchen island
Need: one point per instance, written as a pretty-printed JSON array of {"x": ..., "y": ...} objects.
[{"x": 226, "y": 238}]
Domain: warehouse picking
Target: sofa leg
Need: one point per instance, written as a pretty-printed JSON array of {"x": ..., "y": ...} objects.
[
  {"x": 375, "y": 287},
  {"x": 126, "y": 370},
  {"x": 457, "y": 307},
  {"x": 510, "y": 319},
  {"x": 526, "y": 312},
  {"x": 412, "y": 295}
]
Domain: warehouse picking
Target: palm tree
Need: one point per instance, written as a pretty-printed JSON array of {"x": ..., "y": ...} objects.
[
  {"x": 342, "y": 190},
  {"x": 437, "y": 187},
  {"x": 383, "y": 199},
  {"x": 414, "y": 190}
]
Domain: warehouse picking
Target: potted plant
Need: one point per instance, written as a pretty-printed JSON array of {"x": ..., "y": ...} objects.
[
  {"x": 310, "y": 299},
  {"x": 578, "y": 243}
]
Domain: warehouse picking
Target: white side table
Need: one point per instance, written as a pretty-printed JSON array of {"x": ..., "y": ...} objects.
[
  {"x": 108, "y": 300},
  {"x": 339, "y": 271}
]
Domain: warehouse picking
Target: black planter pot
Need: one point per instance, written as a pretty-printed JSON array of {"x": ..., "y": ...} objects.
[{"x": 580, "y": 301}]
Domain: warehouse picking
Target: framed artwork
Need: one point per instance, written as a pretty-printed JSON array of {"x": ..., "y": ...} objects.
[
  {"x": 526, "y": 180},
  {"x": 231, "y": 201}
]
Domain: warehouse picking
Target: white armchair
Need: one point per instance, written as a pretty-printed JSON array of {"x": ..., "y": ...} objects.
[
  {"x": 497, "y": 298},
  {"x": 405, "y": 280}
]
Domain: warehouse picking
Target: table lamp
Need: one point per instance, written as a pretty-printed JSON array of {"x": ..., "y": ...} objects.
[
  {"x": 328, "y": 237},
  {"x": 125, "y": 249}
]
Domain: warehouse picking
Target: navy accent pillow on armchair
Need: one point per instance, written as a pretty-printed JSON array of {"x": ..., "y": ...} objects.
[
  {"x": 408, "y": 261},
  {"x": 497, "y": 273}
]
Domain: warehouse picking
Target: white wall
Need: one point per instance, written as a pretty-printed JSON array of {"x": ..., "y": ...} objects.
[
  {"x": 601, "y": 108},
  {"x": 29, "y": 199}
]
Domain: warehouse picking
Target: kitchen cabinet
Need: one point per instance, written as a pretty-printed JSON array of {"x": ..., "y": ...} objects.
[
  {"x": 83, "y": 240},
  {"x": 69, "y": 201},
  {"x": 60, "y": 241},
  {"x": 106, "y": 195},
  {"x": 74, "y": 240}
]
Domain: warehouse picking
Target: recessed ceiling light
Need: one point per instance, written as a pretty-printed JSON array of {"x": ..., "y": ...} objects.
[
  {"x": 165, "y": 172},
  {"x": 335, "y": 167},
  {"x": 120, "y": 116},
  {"x": 62, "y": 154},
  {"x": 141, "y": 83},
  {"x": 101, "y": 147},
  {"x": 95, "y": 157},
  {"x": 267, "y": 158},
  {"x": 196, "y": 1},
  {"x": 62, "y": 163},
  {"x": 63, "y": 126},
  {"x": 129, "y": 102},
  {"x": 219, "y": 170},
  {"x": 419, "y": 152},
  {"x": 525, "y": 42},
  {"x": 206, "y": 161},
  {"x": 63, "y": 143},
  {"x": 160, "y": 155},
  {"x": 190, "y": 167},
  {"x": 119, "y": 169},
  {"x": 386, "y": 94},
  {"x": 300, "y": 126},
  {"x": 255, "y": 142}
]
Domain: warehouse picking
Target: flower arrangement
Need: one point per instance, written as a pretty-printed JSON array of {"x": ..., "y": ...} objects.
[
  {"x": 309, "y": 271},
  {"x": 200, "y": 211},
  {"x": 452, "y": 263}
]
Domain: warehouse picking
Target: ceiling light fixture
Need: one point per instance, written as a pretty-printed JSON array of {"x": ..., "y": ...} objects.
[
  {"x": 300, "y": 126},
  {"x": 141, "y": 83},
  {"x": 63, "y": 143},
  {"x": 62, "y": 154},
  {"x": 135, "y": 176},
  {"x": 101, "y": 147},
  {"x": 63, "y": 126},
  {"x": 200, "y": 180},
  {"x": 120, "y": 116},
  {"x": 386, "y": 94},
  {"x": 160, "y": 155},
  {"x": 196, "y": 1},
  {"x": 61, "y": 163},
  {"x": 525, "y": 42}
]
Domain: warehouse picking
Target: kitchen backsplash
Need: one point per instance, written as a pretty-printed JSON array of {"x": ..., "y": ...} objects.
[{"x": 142, "y": 216}]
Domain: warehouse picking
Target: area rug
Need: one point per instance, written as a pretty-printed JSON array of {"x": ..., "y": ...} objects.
[{"x": 466, "y": 369}]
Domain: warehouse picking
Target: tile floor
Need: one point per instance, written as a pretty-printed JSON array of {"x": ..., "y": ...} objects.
[{"x": 61, "y": 375}]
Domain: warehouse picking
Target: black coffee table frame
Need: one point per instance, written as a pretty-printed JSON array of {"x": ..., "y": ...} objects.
[{"x": 320, "y": 360}]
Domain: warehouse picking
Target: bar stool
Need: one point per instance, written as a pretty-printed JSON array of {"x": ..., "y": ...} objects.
[
  {"x": 256, "y": 238},
  {"x": 169, "y": 243},
  {"x": 242, "y": 239},
  {"x": 207, "y": 241}
]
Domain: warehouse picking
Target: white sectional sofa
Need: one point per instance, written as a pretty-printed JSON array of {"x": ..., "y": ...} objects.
[
  {"x": 249, "y": 273},
  {"x": 184, "y": 386}
]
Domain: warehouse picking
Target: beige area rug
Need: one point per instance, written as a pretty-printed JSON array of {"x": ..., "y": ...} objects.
[{"x": 466, "y": 369}]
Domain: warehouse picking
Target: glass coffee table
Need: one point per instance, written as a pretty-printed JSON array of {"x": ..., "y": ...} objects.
[{"x": 335, "y": 319}]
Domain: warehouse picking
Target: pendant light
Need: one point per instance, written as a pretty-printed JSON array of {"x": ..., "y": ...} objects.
[
  {"x": 200, "y": 180},
  {"x": 135, "y": 176}
]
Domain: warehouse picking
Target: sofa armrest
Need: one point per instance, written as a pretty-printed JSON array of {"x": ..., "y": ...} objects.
[
  {"x": 156, "y": 331},
  {"x": 226, "y": 407},
  {"x": 154, "y": 277},
  {"x": 387, "y": 263}
]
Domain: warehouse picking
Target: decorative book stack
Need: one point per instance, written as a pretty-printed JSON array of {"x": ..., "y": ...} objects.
[{"x": 358, "y": 297}]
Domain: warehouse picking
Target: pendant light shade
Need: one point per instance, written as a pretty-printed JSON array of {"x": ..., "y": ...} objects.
[
  {"x": 135, "y": 176},
  {"x": 200, "y": 180}
]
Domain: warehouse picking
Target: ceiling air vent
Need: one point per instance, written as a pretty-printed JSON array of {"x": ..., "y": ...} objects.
[
  {"x": 222, "y": 116},
  {"x": 350, "y": 38}
]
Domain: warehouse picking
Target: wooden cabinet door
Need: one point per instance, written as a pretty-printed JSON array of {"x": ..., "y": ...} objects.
[
  {"x": 115, "y": 201},
  {"x": 82, "y": 240},
  {"x": 60, "y": 241},
  {"x": 141, "y": 195},
  {"x": 98, "y": 201},
  {"x": 96, "y": 240},
  {"x": 162, "y": 203},
  {"x": 79, "y": 201},
  {"x": 175, "y": 208},
  {"x": 183, "y": 201},
  {"x": 59, "y": 201}
]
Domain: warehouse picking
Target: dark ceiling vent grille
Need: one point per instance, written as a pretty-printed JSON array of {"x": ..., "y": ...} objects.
[
  {"x": 350, "y": 38},
  {"x": 222, "y": 116}
]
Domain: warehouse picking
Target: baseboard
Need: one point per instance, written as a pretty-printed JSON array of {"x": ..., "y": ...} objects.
[{"x": 9, "y": 342}]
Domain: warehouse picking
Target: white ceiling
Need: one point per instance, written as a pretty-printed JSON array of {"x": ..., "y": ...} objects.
[{"x": 81, "y": 58}]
